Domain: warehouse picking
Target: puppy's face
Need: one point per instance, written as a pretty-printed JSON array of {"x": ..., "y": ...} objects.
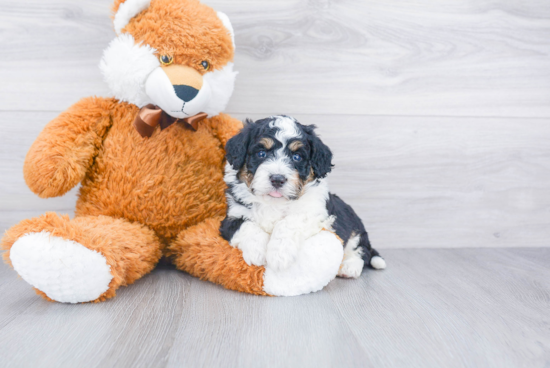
[{"x": 278, "y": 157}]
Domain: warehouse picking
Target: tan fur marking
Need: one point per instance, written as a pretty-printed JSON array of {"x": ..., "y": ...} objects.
[
  {"x": 183, "y": 75},
  {"x": 295, "y": 145},
  {"x": 308, "y": 180},
  {"x": 267, "y": 142},
  {"x": 245, "y": 176}
]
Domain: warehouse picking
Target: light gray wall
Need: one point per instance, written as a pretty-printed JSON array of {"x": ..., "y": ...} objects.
[{"x": 438, "y": 112}]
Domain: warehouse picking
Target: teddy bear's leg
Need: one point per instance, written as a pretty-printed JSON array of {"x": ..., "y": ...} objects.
[
  {"x": 202, "y": 252},
  {"x": 80, "y": 260}
]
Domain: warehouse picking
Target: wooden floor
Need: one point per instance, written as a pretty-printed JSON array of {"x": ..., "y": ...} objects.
[{"x": 430, "y": 308}]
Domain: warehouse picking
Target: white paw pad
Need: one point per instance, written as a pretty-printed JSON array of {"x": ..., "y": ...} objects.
[{"x": 64, "y": 270}]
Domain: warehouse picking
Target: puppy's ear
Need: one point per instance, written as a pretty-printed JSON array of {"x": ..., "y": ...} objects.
[
  {"x": 321, "y": 156},
  {"x": 236, "y": 147}
]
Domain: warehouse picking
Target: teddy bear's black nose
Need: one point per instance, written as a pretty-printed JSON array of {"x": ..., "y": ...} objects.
[{"x": 186, "y": 93}]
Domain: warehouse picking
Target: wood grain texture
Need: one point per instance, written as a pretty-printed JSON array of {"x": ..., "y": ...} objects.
[
  {"x": 386, "y": 57},
  {"x": 416, "y": 182},
  {"x": 430, "y": 308}
]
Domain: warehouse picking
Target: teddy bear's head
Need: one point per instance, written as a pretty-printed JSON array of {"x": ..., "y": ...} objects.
[{"x": 176, "y": 54}]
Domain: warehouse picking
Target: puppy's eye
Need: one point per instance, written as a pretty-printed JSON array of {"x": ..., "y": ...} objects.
[
  {"x": 166, "y": 59},
  {"x": 206, "y": 65},
  {"x": 262, "y": 154},
  {"x": 296, "y": 157}
]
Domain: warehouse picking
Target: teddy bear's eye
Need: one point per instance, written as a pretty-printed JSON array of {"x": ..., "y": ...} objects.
[
  {"x": 166, "y": 59},
  {"x": 206, "y": 65}
]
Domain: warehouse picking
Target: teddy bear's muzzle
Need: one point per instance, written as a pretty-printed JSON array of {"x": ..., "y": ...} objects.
[{"x": 178, "y": 90}]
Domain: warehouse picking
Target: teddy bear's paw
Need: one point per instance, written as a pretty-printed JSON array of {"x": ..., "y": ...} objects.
[
  {"x": 316, "y": 264},
  {"x": 64, "y": 270},
  {"x": 281, "y": 252}
]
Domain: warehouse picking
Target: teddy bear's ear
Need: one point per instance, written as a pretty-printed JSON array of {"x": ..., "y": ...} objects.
[
  {"x": 227, "y": 23},
  {"x": 126, "y": 11}
]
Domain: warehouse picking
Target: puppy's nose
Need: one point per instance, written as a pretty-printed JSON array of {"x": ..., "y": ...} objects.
[
  {"x": 186, "y": 93},
  {"x": 277, "y": 181}
]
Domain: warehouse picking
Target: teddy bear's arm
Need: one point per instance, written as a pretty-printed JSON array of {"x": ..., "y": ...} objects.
[
  {"x": 224, "y": 127},
  {"x": 59, "y": 158}
]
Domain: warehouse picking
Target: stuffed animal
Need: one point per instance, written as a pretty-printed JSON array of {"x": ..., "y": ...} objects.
[{"x": 150, "y": 162}]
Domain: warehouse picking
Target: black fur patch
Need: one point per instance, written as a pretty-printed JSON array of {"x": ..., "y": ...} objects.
[
  {"x": 348, "y": 223},
  {"x": 321, "y": 155},
  {"x": 236, "y": 147},
  {"x": 230, "y": 226}
]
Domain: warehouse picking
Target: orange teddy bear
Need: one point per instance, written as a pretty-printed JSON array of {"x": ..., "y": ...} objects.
[{"x": 150, "y": 160}]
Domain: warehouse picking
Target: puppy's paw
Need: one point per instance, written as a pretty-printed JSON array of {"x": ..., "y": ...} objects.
[
  {"x": 254, "y": 250},
  {"x": 351, "y": 268},
  {"x": 252, "y": 241},
  {"x": 281, "y": 253}
]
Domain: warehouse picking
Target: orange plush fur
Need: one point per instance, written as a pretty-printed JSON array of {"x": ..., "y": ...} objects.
[
  {"x": 166, "y": 21},
  {"x": 144, "y": 197}
]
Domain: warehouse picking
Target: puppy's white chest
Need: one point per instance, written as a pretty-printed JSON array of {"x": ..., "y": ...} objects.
[{"x": 267, "y": 216}]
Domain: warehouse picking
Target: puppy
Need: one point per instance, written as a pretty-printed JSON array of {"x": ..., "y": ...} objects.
[{"x": 278, "y": 197}]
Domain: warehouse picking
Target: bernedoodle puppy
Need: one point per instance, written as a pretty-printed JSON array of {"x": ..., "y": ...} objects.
[{"x": 278, "y": 197}]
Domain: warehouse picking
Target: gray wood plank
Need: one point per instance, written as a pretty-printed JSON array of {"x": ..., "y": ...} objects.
[
  {"x": 17, "y": 296},
  {"x": 491, "y": 303},
  {"x": 129, "y": 331},
  {"x": 459, "y": 58},
  {"x": 415, "y": 181},
  {"x": 430, "y": 308},
  {"x": 262, "y": 332},
  {"x": 52, "y": 49}
]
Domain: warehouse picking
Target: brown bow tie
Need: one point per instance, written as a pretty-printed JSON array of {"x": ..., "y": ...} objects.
[{"x": 150, "y": 116}]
